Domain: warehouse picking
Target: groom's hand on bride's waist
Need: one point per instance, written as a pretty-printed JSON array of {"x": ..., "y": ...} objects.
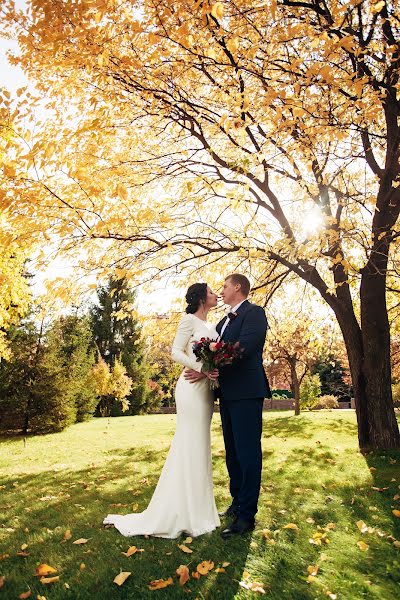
[{"x": 192, "y": 376}]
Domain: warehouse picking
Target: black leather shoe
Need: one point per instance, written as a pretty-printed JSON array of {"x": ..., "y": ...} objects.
[
  {"x": 230, "y": 512},
  {"x": 238, "y": 527}
]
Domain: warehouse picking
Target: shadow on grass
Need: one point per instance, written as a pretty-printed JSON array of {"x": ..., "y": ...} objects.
[
  {"x": 51, "y": 502},
  {"x": 302, "y": 427}
]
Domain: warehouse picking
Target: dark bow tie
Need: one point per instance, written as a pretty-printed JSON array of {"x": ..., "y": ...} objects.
[{"x": 231, "y": 316}]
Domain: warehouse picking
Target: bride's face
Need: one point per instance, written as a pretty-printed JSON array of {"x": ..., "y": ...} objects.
[{"x": 212, "y": 298}]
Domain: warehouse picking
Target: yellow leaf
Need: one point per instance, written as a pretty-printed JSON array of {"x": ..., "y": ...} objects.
[
  {"x": 81, "y": 541},
  {"x": 39, "y": 597},
  {"x": 131, "y": 550},
  {"x": 122, "y": 577},
  {"x": 396, "y": 513},
  {"x": 188, "y": 540},
  {"x": 362, "y": 526},
  {"x": 122, "y": 192},
  {"x": 313, "y": 570},
  {"x": 196, "y": 575},
  {"x": 185, "y": 549},
  {"x": 311, "y": 579},
  {"x": 375, "y": 8},
  {"x": 24, "y": 546},
  {"x": 233, "y": 44},
  {"x": 82, "y": 567},
  {"x": 217, "y": 10},
  {"x": 47, "y": 580},
  {"x": 67, "y": 535},
  {"x": 226, "y": 564},
  {"x": 43, "y": 570},
  {"x": 220, "y": 570},
  {"x": 396, "y": 544},
  {"x": 363, "y": 546},
  {"x": 291, "y": 526},
  {"x": 183, "y": 574},
  {"x": 158, "y": 584},
  {"x": 204, "y": 567}
]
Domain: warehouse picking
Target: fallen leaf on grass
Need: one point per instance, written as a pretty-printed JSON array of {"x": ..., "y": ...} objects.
[
  {"x": 362, "y": 526},
  {"x": 2, "y": 581},
  {"x": 188, "y": 540},
  {"x": 82, "y": 567},
  {"x": 311, "y": 579},
  {"x": 226, "y": 564},
  {"x": 312, "y": 570},
  {"x": 396, "y": 513},
  {"x": 185, "y": 549},
  {"x": 81, "y": 541},
  {"x": 204, "y": 567},
  {"x": 42, "y": 570},
  {"x": 183, "y": 574},
  {"x": 378, "y": 489},
  {"x": 196, "y": 575},
  {"x": 291, "y": 526},
  {"x": 331, "y": 596},
  {"x": 254, "y": 587},
  {"x": 47, "y": 580},
  {"x": 122, "y": 577},
  {"x": 158, "y": 584},
  {"x": 131, "y": 550},
  {"x": 396, "y": 544},
  {"x": 24, "y": 546},
  {"x": 4, "y": 556},
  {"x": 67, "y": 535},
  {"x": 363, "y": 546},
  {"x": 22, "y": 553},
  {"x": 25, "y": 595},
  {"x": 310, "y": 520},
  {"x": 39, "y": 597},
  {"x": 220, "y": 570},
  {"x": 319, "y": 538}
]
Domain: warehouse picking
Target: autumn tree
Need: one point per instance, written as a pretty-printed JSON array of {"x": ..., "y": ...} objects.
[
  {"x": 294, "y": 345},
  {"x": 191, "y": 132}
]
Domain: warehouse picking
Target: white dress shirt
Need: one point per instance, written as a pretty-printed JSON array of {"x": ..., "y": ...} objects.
[{"x": 234, "y": 309}]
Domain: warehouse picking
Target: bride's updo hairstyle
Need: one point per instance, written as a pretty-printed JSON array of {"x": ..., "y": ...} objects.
[{"x": 196, "y": 294}]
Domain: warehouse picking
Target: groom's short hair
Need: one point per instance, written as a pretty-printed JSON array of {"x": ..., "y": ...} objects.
[{"x": 238, "y": 279}]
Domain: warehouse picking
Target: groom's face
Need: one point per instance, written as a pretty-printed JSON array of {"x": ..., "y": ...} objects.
[{"x": 229, "y": 292}]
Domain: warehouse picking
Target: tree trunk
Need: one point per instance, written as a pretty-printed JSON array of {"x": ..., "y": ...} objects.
[
  {"x": 368, "y": 351},
  {"x": 383, "y": 427},
  {"x": 295, "y": 385}
]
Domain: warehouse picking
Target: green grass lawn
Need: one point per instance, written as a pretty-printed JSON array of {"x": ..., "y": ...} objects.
[{"x": 314, "y": 476}]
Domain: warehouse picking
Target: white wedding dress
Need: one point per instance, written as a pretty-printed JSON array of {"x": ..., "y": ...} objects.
[{"x": 183, "y": 501}]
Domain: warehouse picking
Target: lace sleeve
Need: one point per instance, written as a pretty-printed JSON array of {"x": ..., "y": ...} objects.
[{"x": 182, "y": 337}]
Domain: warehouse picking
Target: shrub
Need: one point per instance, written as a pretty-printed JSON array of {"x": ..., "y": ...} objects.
[
  {"x": 327, "y": 401},
  {"x": 309, "y": 391}
]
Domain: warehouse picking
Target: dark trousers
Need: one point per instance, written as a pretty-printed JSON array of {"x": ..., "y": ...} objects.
[{"x": 242, "y": 428}]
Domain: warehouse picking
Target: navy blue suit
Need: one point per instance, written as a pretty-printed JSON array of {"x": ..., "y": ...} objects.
[{"x": 243, "y": 387}]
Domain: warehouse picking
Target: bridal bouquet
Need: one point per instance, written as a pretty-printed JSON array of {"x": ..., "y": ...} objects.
[{"x": 216, "y": 354}]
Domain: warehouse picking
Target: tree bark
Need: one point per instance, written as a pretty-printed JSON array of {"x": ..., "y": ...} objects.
[{"x": 295, "y": 385}]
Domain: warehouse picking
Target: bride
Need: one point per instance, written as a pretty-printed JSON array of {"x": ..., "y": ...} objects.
[{"x": 183, "y": 501}]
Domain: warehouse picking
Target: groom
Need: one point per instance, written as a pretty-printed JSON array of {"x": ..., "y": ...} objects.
[{"x": 243, "y": 387}]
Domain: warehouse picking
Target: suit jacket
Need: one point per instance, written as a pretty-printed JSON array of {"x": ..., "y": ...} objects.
[{"x": 246, "y": 378}]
